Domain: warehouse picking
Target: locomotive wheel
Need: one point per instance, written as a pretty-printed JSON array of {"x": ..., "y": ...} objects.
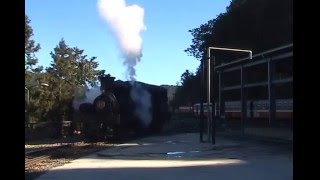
[{"x": 109, "y": 134}]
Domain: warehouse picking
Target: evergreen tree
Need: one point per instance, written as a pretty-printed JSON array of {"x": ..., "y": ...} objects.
[
  {"x": 32, "y": 74},
  {"x": 70, "y": 70},
  {"x": 258, "y": 25},
  {"x": 30, "y": 46}
]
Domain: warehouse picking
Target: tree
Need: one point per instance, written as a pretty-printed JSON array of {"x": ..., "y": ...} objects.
[
  {"x": 30, "y": 46},
  {"x": 30, "y": 59},
  {"x": 258, "y": 25},
  {"x": 188, "y": 92},
  {"x": 32, "y": 74},
  {"x": 69, "y": 70}
]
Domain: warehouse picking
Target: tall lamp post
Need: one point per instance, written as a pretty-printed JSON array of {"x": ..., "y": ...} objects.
[
  {"x": 28, "y": 94},
  {"x": 209, "y": 119}
]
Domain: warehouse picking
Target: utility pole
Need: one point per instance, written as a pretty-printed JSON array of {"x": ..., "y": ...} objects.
[{"x": 28, "y": 96}]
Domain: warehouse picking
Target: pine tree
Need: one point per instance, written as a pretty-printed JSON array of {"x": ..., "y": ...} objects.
[
  {"x": 30, "y": 46},
  {"x": 69, "y": 71}
]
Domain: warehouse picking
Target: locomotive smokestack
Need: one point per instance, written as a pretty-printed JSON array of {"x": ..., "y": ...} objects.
[{"x": 106, "y": 83}]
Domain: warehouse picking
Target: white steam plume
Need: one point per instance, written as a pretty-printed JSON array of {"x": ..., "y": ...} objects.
[
  {"x": 142, "y": 99},
  {"x": 91, "y": 94},
  {"x": 127, "y": 23}
]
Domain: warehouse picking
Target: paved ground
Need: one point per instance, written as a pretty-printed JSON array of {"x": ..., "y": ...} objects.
[{"x": 182, "y": 156}]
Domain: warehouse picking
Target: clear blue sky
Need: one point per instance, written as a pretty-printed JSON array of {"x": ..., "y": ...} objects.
[{"x": 164, "y": 40}]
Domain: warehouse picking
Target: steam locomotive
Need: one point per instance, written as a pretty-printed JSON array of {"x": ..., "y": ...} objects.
[{"x": 123, "y": 108}]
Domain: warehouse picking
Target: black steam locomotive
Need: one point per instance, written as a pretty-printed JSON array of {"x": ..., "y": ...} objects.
[{"x": 123, "y": 108}]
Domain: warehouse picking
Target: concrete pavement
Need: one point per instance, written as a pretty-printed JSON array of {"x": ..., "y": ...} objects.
[{"x": 182, "y": 156}]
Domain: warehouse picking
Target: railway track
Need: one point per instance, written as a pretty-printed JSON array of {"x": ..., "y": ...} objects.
[
  {"x": 40, "y": 155},
  {"x": 32, "y": 161},
  {"x": 44, "y": 149},
  {"x": 40, "y": 158}
]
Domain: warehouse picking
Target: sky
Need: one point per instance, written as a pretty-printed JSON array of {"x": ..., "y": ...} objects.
[{"x": 165, "y": 34}]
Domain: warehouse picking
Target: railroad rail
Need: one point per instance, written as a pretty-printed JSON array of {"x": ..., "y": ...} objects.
[
  {"x": 34, "y": 160},
  {"x": 43, "y": 149}
]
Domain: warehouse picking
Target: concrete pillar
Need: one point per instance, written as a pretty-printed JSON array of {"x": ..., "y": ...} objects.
[
  {"x": 271, "y": 93},
  {"x": 243, "y": 101}
]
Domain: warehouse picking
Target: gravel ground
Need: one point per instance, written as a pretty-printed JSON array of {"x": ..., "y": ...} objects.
[
  {"x": 80, "y": 148},
  {"x": 59, "y": 157}
]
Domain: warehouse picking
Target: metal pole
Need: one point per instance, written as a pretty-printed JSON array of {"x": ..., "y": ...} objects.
[
  {"x": 272, "y": 106},
  {"x": 243, "y": 102},
  {"x": 208, "y": 89},
  {"x": 28, "y": 102},
  {"x": 201, "y": 103},
  {"x": 219, "y": 94},
  {"x": 269, "y": 91},
  {"x": 60, "y": 92},
  {"x": 208, "y": 96},
  {"x": 229, "y": 49},
  {"x": 28, "y": 97},
  {"x": 213, "y": 135}
]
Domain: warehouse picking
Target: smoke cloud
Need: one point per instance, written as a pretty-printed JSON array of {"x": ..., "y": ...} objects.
[
  {"x": 91, "y": 94},
  {"x": 127, "y": 23},
  {"x": 142, "y": 99}
]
